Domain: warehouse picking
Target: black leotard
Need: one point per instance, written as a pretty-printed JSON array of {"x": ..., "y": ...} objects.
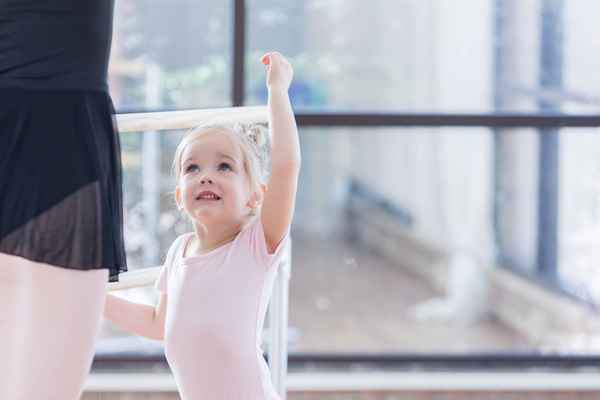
[{"x": 60, "y": 160}]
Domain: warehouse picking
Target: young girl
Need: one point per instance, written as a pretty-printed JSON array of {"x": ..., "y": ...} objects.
[{"x": 216, "y": 282}]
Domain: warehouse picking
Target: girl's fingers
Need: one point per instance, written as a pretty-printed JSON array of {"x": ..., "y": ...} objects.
[
  {"x": 266, "y": 59},
  {"x": 272, "y": 57},
  {"x": 278, "y": 68}
]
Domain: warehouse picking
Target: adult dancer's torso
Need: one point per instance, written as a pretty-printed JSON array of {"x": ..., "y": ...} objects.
[{"x": 55, "y": 44}]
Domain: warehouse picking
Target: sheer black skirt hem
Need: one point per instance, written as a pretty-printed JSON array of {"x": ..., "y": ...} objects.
[{"x": 61, "y": 201}]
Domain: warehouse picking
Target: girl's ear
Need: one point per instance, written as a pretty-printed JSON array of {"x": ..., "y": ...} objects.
[
  {"x": 257, "y": 196},
  {"x": 178, "y": 198}
]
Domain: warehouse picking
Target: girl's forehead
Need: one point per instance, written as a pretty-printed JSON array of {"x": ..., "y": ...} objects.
[{"x": 210, "y": 144}]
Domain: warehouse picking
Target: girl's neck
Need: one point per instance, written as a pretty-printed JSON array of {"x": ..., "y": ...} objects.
[{"x": 207, "y": 239}]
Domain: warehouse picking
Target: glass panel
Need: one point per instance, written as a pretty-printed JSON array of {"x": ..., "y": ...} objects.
[
  {"x": 579, "y": 218},
  {"x": 401, "y": 236},
  {"x": 430, "y": 56},
  {"x": 185, "y": 63},
  {"x": 393, "y": 239},
  {"x": 396, "y": 248}
]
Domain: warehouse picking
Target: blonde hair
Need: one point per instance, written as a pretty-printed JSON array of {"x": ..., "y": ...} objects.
[{"x": 254, "y": 143}]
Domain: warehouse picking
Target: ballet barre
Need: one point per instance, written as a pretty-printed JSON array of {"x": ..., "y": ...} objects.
[
  {"x": 171, "y": 120},
  {"x": 135, "y": 279}
]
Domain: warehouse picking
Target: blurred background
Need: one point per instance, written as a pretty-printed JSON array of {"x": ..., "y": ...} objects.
[{"x": 448, "y": 211}]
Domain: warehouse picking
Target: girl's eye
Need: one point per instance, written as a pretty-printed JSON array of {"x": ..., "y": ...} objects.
[
  {"x": 225, "y": 165},
  {"x": 189, "y": 167}
]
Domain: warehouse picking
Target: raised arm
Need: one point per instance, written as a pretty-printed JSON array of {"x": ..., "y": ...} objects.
[
  {"x": 139, "y": 319},
  {"x": 279, "y": 200}
]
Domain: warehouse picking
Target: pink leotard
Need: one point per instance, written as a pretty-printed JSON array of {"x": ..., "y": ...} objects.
[{"x": 216, "y": 309}]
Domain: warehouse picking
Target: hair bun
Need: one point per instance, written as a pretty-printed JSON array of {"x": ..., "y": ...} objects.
[
  {"x": 257, "y": 135},
  {"x": 254, "y": 133}
]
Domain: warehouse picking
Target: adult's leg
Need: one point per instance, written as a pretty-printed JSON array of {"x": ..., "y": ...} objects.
[{"x": 49, "y": 321}]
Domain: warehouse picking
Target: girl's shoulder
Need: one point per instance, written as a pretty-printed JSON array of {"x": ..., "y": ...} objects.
[
  {"x": 169, "y": 263},
  {"x": 253, "y": 240},
  {"x": 175, "y": 250},
  {"x": 180, "y": 241}
]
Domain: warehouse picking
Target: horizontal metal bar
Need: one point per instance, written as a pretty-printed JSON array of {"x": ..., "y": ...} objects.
[
  {"x": 454, "y": 361},
  {"x": 492, "y": 361},
  {"x": 444, "y": 120},
  {"x": 185, "y": 119},
  {"x": 135, "y": 278},
  {"x": 181, "y": 119}
]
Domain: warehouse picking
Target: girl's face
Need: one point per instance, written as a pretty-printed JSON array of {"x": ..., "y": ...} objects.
[{"x": 213, "y": 186}]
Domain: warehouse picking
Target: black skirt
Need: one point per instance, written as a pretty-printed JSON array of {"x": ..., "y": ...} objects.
[{"x": 61, "y": 180}]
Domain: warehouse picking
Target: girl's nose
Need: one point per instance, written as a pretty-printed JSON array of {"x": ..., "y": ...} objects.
[{"x": 206, "y": 181}]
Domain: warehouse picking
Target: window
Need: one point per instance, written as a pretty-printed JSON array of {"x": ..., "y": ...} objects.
[{"x": 463, "y": 234}]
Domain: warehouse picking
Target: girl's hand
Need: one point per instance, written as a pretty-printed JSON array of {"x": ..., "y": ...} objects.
[{"x": 279, "y": 71}]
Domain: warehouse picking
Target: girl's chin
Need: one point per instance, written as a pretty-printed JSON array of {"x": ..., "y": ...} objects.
[
  {"x": 207, "y": 216},
  {"x": 203, "y": 214}
]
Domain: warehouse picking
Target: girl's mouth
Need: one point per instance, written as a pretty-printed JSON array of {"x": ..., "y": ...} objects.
[{"x": 207, "y": 195}]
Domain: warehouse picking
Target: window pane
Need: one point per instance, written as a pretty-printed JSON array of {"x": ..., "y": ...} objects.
[
  {"x": 396, "y": 249},
  {"x": 171, "y": 55},
  {"x": 580, "y": 212},
  {"x": 433, "y": 56},
  {"x": 406, "y": 239}
]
